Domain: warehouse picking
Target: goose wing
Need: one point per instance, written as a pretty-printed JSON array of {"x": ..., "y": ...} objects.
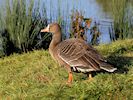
[{"x": 77, "y": 53}]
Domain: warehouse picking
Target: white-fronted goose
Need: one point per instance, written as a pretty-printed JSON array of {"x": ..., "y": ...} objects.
[{"x": 75, "y": 53}]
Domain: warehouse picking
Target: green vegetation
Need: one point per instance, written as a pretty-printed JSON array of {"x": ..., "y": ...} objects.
[
  {"x": 121, "y": 12},
  {"x": 35, "y": 76},
  {"x": 21, "y": 23},
  {"x": 122, "y": 15}
]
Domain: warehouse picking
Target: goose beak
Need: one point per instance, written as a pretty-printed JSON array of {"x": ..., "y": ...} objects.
[{"x": 45, "y": 29}]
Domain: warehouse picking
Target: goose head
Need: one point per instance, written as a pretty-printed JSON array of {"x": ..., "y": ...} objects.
[{"x": 55, "y": 29}]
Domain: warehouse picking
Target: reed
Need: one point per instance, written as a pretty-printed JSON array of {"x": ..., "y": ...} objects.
[
  {"x": 121, "y": 12},
  {"x": 22, "y": 21},
  {"x": 120, "y": 23}
]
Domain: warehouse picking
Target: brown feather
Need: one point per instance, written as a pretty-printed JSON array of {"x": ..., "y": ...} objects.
[{"x": 75, "y": 53}]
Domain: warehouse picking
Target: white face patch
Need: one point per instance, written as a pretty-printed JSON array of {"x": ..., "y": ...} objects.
[{"x": 48, "y": 27}]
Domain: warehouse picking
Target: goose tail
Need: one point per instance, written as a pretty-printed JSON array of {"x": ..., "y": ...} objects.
[{"x": 108, "y": 67}]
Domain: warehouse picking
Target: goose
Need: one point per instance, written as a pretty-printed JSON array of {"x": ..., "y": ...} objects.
[{"x": 75, "y": 54}]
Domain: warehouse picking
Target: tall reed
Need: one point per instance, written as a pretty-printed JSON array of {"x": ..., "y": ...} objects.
[
  {"x": 120, "y": 23},
  {"x": 23, "y": 22},
  {"x": 122, "y": 14}
]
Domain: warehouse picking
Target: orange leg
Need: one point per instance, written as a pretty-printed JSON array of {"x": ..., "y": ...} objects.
[{"x": 70, "y": 78}]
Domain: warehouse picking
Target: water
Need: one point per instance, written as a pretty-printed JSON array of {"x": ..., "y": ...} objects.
[{"x": 90, "y": 9}]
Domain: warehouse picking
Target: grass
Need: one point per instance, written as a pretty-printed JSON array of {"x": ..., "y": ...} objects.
[{"x": 35, "y": 76}]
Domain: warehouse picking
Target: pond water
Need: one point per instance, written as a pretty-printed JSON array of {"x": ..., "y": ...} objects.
[{"x": 90, "y": 9}]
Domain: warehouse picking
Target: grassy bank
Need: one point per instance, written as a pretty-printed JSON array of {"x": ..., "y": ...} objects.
[{"x": 35, "y": 76}]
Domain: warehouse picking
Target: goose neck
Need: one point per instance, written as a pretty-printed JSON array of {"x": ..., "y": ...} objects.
[{"x": 56, "y": 39}]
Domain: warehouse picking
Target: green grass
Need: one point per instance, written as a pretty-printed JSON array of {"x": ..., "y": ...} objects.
[{"x": 35, "y": 76}]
